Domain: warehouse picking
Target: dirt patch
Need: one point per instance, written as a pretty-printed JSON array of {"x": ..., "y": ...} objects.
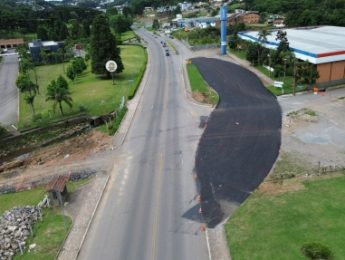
[
  {"x": 89, "y": 151},
  {"x": 74, "y": 149},
  {"x": 270, "y": 188},
  {"x": 200, "y": 97}
]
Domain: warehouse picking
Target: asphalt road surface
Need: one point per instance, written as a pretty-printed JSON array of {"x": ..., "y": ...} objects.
[
  {"x": 241, "y": 141},
  {"x": 149, "y": 209},
  {"x": 8, "y": 89}
]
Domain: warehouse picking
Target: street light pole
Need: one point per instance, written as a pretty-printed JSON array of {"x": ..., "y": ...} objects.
[{"x": 269, "y": 63}]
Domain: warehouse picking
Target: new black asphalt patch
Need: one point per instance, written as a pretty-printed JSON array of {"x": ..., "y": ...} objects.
[{"x": 241, "y": 141}]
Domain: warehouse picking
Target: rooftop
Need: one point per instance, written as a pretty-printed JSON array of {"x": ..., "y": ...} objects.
[
  {"x": 319, "y": 44},
  {"x": 58, "y": 183}
]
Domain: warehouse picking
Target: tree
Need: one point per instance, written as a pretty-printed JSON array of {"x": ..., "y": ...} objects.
[
  {"x": 120, "y": 23},
  {"x": 263, "y": 33},
  {"x": 29, "y": 99},
  {"x": 70, "y": 73},
  {"x": 63, "y": 32},
  {"x": 58, "y": 92},
  {"x": 253, "y": 53},
  {"x": 75, "y": 28},
  {"x": 42, "y": 33},
  {"x": 283, "y": 41},
  {"x": 24, "y": 84},
  {"x": 155, "y": 24},
  {"x": 306, "y": 73},
  {"x": 103, "y": 46},
  {"x": 233, "y": 41}
]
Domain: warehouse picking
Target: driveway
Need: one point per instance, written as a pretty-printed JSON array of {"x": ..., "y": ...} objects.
[
  {"x": 241, "y": 141},
  {"x": 8, "y": 89}
]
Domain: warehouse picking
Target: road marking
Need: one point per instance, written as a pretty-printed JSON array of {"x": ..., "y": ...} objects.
[{"x": 156, "y": 210}]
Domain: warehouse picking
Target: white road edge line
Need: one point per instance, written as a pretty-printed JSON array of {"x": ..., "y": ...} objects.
[{"x": 208, "y": 245}]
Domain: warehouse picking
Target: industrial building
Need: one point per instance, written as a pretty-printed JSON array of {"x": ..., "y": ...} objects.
[
  {"x": 49, "y": 46},
  {"x": 323, "y": 46}
]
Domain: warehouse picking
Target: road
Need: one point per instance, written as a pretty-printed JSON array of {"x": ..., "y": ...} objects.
[
  {"x": 8, "y": 89},
  {"x": 149, "y": 209},
  {"x": 241, "y": 141}
]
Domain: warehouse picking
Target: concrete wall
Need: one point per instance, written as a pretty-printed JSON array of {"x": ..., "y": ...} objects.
[{"x": 331, "y": 71}]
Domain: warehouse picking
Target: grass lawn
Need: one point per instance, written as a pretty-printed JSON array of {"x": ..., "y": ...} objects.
[
  {"x": 127, "y": 35},
  {"x": 49, "y": 233},
  {"x": 89, "y": 92},
  {"x": 277, "y": 226},
  {"x": 48, "y": 236},
  {"x": 238, "y": 53},
  {"x": 198, "y": 85},
  {"x": 288, "y": 83}
]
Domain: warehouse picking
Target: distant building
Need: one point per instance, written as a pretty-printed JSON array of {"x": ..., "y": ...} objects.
[
  {"x": 10, "y": 43},
  {"x": 49, "y": 46},
  {"x": 320, "y": 45},
  {"x": 248, "y": 17},
  {"x": 200, "y": 22},
  {"x": 185, "y": 6}
]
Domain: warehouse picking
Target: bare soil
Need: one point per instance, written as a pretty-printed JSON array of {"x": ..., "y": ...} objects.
[
  {"x": 313, "y": 141},
  {"x": 90, "y": 150}
]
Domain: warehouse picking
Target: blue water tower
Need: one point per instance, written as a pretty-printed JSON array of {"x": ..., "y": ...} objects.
[{"x": 223, "y": 23}]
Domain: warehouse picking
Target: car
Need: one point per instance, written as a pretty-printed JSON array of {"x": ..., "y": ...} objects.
[
  {"x": 3, "y": 50},
  {"x": 167, "y": 53}
]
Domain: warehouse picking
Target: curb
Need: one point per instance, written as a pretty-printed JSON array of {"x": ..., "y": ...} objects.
[
  {"x": 141, "y": 90},
  {"x": 187, "y": 89}
]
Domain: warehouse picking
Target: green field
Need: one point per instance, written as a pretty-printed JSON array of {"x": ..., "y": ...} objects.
[
  {"x": 89, "y": 92},
  {"x": 277, "y": 226},
  {"x": 198, "y": 85}
]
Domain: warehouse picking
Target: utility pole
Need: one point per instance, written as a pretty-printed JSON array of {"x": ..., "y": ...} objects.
[{"x": 294, "y": 76}]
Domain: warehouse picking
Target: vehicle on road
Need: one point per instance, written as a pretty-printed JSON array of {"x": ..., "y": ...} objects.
[
  {"x": 167, "y": 53},
  {"x": 3, "y": 51}
]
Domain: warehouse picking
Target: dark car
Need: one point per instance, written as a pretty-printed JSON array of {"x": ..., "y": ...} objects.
[{"x": 167, "y": 53}]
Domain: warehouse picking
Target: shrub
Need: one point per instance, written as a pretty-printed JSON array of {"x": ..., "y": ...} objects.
[{"x": 316, "y": 251}]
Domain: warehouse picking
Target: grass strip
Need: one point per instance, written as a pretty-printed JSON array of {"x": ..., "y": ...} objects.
[{"x": 200, "y": 87}]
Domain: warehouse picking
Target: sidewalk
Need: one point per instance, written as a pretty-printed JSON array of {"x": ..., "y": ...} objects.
[{"x": 84, "y": 217}]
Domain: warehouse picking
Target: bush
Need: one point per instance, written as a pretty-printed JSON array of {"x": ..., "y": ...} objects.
[
  {"x": 316, "y": 251},
  {"x": 37, "y": 117},
  {"x": 3, "y": 131}
]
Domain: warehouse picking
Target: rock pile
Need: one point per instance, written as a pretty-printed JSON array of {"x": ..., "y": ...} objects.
[{"x": 15, "y": 227}]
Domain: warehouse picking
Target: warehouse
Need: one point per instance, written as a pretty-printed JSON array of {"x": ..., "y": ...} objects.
[{"x": 323, "y": 46}]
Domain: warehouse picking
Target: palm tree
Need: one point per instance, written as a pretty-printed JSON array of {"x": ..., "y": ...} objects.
[
  {"x": 58, "y": 92},
  {"x": 29, "y": 99},
  {"x": 263, "y": 33},
  {"x": 263, "y": 39}
]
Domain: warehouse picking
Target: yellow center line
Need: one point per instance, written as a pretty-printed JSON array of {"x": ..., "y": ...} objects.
[{"x": 156, "y": 209}]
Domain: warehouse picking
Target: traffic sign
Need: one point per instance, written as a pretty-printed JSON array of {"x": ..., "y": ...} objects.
[{"x": 111, "y": 66}]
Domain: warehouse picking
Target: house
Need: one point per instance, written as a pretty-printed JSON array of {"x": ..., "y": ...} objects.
[
  {"x": 36, "y": 46},
  {"x": 248, "y": 17}
]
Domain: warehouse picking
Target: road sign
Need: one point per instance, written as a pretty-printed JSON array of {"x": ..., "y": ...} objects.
[
  {"x": 111, "y": 66},
  {"x": 278, "y": 84}
]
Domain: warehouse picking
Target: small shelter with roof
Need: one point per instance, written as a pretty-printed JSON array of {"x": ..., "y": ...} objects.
[{"x": 57, "y": 189}]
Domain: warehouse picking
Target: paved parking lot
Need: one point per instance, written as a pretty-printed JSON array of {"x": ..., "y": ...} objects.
[{"x": 241, "y": 141}]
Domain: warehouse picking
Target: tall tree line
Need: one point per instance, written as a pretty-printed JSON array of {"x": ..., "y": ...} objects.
[{"x": 303, "y": 12}]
